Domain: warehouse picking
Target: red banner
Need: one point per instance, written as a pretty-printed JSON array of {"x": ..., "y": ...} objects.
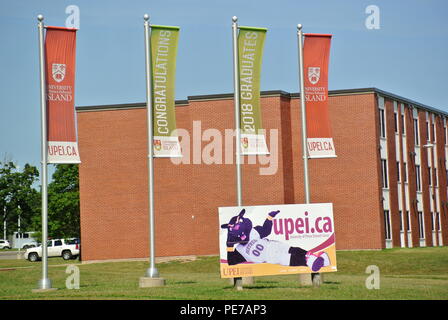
[
  {"x": 316, "y": 58},
  {"x": 60, "y": 51}
]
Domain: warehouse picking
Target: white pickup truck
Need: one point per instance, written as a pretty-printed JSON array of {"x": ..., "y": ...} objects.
[{"x": 65, "y": 248}]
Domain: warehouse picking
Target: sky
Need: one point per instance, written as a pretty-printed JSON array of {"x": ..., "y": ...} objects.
[{"x": 406, "y": 54}]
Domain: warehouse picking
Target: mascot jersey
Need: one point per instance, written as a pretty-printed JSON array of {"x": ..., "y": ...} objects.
[{"x": 262, "y": 250}]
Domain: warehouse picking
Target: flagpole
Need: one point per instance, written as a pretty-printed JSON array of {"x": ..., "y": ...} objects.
[
  {"x": 238, "y": 281},
  {"x": 237, "y": 110},
  {"x": 315, "y": 278},
  {"x": 303, "y": 107},
  {"x": 152, "y": 271},
  {"x": 44, "y": 283},
  {"x": 152, "y": 278}
]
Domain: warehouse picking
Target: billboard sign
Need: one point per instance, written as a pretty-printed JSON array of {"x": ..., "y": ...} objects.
[{"x": 276, "y": 240}]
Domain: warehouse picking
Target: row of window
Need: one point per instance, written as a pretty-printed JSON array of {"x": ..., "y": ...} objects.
[
  {"x": 435, "y": 221},
  {"x": 418, "y": 183},
  {"x": 403, "y": 128}
]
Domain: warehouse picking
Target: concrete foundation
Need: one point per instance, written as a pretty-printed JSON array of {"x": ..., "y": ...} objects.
[{"x": 146, "y": 282}]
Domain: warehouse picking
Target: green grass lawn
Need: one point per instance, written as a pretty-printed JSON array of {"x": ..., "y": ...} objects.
[{"x": 418, "y": 273}]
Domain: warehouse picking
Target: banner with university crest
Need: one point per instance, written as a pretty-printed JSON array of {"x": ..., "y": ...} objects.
[
  {"x": 250, "y": 53},
  {"x": 164, "y": 41}
]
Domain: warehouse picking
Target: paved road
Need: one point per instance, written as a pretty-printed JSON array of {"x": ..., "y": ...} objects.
[{"x": 11, "y": 255}]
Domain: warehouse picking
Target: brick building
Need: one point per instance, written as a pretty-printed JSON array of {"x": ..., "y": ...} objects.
[{"x": 388, "y": 183}]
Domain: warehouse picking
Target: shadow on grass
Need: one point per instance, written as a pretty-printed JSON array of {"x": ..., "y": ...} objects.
[
  {"x": 332, "y": 282},
  {"x": 276, "y": 285},
  {"x": 182, "y": 282}
]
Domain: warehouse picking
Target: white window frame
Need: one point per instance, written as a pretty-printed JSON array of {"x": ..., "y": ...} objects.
[
  {"x": 421, "y": 225},
  {"x": 403, "y": 124},
  {"x": 418, "y": 180},
  {"x": 396, "y": 126},
  {"x": 382, "y": 123},
  {"x": 408, "y": 221},
  {"x": 387, "y": 225},
  {"x": 436, "y": 179},
  {"x": 405, "y": 168},
  {"x": 416, "y": 132},
  {"x": 384, "y": 174},
  {"x": 400, "y": 213}
]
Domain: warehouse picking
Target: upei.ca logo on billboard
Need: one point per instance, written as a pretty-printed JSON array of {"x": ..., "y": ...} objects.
[
  {"x": 314, "y": 74},
  {"x": 58, "y": 71}
]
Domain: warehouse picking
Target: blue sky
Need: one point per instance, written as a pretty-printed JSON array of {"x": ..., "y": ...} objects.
[{"x": 406, "y": 56}]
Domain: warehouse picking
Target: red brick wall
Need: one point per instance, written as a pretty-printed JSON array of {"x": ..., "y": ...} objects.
[
  {"x": 351, "y": 181},
  {"x": 114, "y": 191},
  {"x": 442, "y": 175}
]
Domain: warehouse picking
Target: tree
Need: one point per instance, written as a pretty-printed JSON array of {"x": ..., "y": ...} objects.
[
  {"x": 17, "y": 195},
  {"x": 63, "y": 202}
]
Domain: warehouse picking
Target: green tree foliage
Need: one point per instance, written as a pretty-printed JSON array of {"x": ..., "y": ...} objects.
[
  {"x": 17, "y": 196},
  {"x": 63, "y": 202}
]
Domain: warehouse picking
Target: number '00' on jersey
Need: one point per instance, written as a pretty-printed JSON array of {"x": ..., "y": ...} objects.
[{"x": 259, "y": 250}]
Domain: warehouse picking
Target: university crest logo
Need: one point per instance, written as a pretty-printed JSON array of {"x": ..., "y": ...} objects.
[
  {"x": 314, "y": 74},
  {"x": 158, "y": 145},
  {"x": 58, "y": 70}
]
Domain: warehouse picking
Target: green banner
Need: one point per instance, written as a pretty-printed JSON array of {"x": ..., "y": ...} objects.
[
  {"x": 250, "y": 53},
  {"x": 164, "y": 41}
]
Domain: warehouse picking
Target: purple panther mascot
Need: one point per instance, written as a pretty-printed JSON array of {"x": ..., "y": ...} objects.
[{"x": 246, "y": 243}]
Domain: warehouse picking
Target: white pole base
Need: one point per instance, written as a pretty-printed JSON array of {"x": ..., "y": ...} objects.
[{"x": 147, "y": 282}]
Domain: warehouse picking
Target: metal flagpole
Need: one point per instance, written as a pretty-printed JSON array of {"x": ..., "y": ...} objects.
[
  {"x": 43, "y": 283},
  {"x": 315, "y": 277},
  {"x": 152, "y": 271},
  {"x": 237, "y": 109},
  {"x": 303, "y": 107},
  {"x": 238, "y": 282}
]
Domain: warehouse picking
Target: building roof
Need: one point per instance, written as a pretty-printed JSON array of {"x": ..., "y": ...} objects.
[{"x": 271, "y": 93}]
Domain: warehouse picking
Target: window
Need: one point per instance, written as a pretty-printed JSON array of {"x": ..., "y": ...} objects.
[
  {"x": 427, "y": 131},
  {"x": 439, "y": 227},
  {"x": 436, "y": 180},
  {"x": 408, "y": 221},
  {"x": 396, "y": 122},
  {"x": 58, "y": 243},
  {"x": 387, "y": 229},
  {"x": 384, "y": 173},
  {"x": 417, "y": 178},
  {"x": 49, "y": 243},
  {"x": 382, "y": 124},
  {"x": 400, "y": 214},
  {"x": 421, "y": 226},
  {"x": 405, "y": 168},
  {"x": 429, "y": 176},
  {"x": 433, "y": 133},
  {"x": 403, "y": 128},
  {"x": 398, "y": 171},
  {"x": 417, "y": 141}
]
